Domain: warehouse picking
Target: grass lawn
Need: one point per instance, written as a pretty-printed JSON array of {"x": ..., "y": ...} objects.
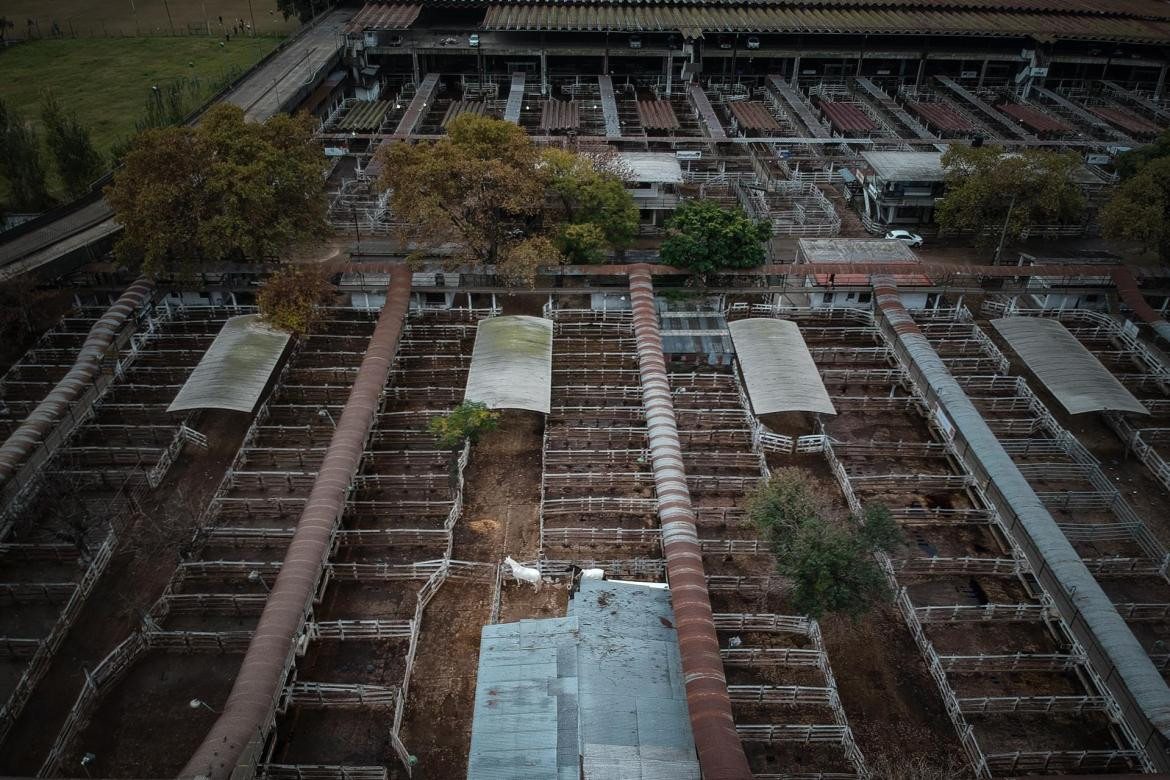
[{"x": 141, "y": 17}]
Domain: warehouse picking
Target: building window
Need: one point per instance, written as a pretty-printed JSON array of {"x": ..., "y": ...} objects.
[{"x": 864, "y": 297}]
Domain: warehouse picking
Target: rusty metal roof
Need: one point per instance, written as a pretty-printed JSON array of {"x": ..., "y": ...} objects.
[
  {"x": 657, "y": 115},
  {"x": 746, "y": 16},
  {"x": 364, "y": 116},
  {"x": 752, "y": 115},
  {"x": 846, "y": 118},
  {"x": 940, "y": 117},
  {"x": 1125, "y": 120},
  {"x": 477, "y": 107},
  {"x": 1137, "y": 9},
  {"x": 560, "y": 115},
  {"x": 1034, "y": 119},
  {"x": 383, "y": 16}
]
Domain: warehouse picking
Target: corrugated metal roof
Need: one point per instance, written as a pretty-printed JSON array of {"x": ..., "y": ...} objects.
[
  {"x": 383, "y": 16},
  {"x": 1075, "y": 378},
  {"x": 854, "y": 250},
  {"x": 1034, "y": 119},
  {"x": 458, "y": 107},
  {"x": 794, "y": 19},
  {"x": 779, "y": 374},
  {"x": 657, "y": 115},
  {"x": 652, "y": 167},
  {"x": 511, "y": 364},
  {"x": 846, "y": 118},
  {"x": 560, "y": 115},
  {"x": 696, "y": 333},
  {"x": 1125, "y": 120},
  {"x": 601, "y": 689},
  {"x": 364, "y": 116},
  {"x": 940, "y": 117},
  {"x": 235, "y": 369},
  {"x": 753, "y": 115},
  {"x": 905, "y": 166}
]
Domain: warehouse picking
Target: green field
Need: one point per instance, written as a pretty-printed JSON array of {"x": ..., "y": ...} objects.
[{"x": 140, "y": 17}]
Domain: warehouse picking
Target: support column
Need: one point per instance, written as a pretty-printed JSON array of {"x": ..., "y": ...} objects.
[
  {"x": 543, "y": 73},
  {"x": 414, "y": 66},
  {"x": 921, "y": 69},
  {"x": 1161, "y": 83},
  {"x": 795, "y": 70},
  {"x": 669, "y": 74},
  {"x": 721, "y": 755}
]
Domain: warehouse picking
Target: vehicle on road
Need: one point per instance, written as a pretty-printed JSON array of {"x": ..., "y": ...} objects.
[
  {"x": 473, "y": 41},
  {"x": 753, "y": 42},
  {"x": 905, "y": 236}
]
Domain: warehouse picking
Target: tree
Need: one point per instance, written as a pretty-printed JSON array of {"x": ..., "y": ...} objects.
[
  {"x": 1139, "y": 210},
  {"x": 1130, "y": 163},
  {"x": 781, "y": 504},
  {"x": 589, "y": 189},
  {"x": 291, "y": 299},
  {"x": 582, "y": 242},
  {"x": 702, "y": 236},
  {"x": 21, "y": 165},
  {"x": 6, "y": 24},
  {"x": 988, "y": 188},
  {"x": 525, "y": 258},
  {"x": 78, "y": 162},
  {"x": 467, "y": 421},
  {"x": 225, "y": 190},
  {"x": 302, "y": 9}
]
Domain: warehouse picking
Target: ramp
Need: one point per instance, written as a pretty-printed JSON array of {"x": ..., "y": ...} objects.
[
  {"x": 613, "y": 127},
  {"x": 798, "y": 106},
  {"x": 971, "y": 99},
  {"x": 515, "y": 99},
  {"x": 418, "y": 106},
  {"x": 706, "y": 112}
]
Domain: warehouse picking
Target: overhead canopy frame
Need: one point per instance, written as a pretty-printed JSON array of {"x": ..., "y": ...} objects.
[
  {"x": 779, "y": 374},
  {"x": 235, "y": 369},
  {"x": 511, "y": 364}
]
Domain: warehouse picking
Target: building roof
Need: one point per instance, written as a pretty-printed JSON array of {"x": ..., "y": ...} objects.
[
  {"x": 364, "y": 116},
  {"x": 652, "y": 167},
  {"x": 845, "y": 117},
  {"x": 657, "y": 115},
  {"x": 560, "y": 115},
  {"x": 752, "y": 115},
  {"x": 596, "y": 694},
  {"x": 383, "y": 16},
  {"x": 235, "y": 369},
  {"x": 460, "y": 107},
  {"x": 511, "y": 364},
  {"x": 940, "y": 116},
  {"x": 1034, "y": 119},
  {"x": 1127, "y": 121},
  {"x": 854, "y": 250},
  {"x": 779, "y": 374},
  {"x": 905, "y": 166},
  {"x": 696, "y": 333},
  {"x": 1075, "y": 378}
]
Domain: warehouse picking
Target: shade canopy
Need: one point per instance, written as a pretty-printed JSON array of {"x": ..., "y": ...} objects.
[
  {"x": 235, "y": 369},
  {"x": 511, "y": 364},
  {"x": 1075, "y": 378},
  {"x": 778, "y": 372}
]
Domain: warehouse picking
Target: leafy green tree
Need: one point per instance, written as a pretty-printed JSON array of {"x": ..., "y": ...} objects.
[
  {"x": 879, "y": 530},
  {"x": 781, "y": 504},
  {"x": 1139, "y": 210},
  {"x": 703, "y": 237},
  {"x": 1130, "y": 163},
  {"x": 582, "y": 242},
  {"x": 21, "y": 164},
  {"x": 78, "y": 162},
  {"x": 590, "y": 191},
  {"x": 988, "y": 188},
  {"x": 225, "y": 190},
  {"x": 292, "y": 298},
  {"x": 302, "y": 9},
  {"x": 468, "y": 420},
  {"x": 525, "y": 258}
]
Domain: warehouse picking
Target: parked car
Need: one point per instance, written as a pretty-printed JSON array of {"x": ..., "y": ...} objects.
[
  {"x": 473, "y": 41},
  {"x": 635, "y": 41},
  {"x": 753, "y": 42},
  {"x": 394, "y": 40},
  {"x": 448, "y": 41},
  {"x": 910, "y": 239},
  {"x": 724, "y": 42}
]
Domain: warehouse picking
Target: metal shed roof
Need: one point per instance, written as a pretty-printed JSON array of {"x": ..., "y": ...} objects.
[
  {"x": 596, "y": 694},
  {"x": 383, "y": 16},
  {"x": 940, "y": 116},
  {"x": 1034, "y": 119},
  {"x": 1062, "y": 364},
  {"x": 906, "y": 166},
  {"x": 845, "y": 117},
  {"x": 753, "y": 115},
  {"x": 652, "y": 167},
  {"x": 778, "y": 372},
  {"x": 854, "y": 250},
  {"x": 235, "y": 369},
  {"x": 511, "y": 364}
]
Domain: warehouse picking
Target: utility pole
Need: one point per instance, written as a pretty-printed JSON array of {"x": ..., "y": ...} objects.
[
  {"x": 252, "y": 13},
  {"x": 1003, "y": 233},
  {"x": 167, "y": 6}
]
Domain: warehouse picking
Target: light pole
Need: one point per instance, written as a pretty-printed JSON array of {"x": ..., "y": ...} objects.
[
  {"x": 253, "y": 577},
  {"x": 197, "y": 703},
  {"x": 86, "y": 760},
  {"x": 323, "y": 414},
  {"x": 253, "y": 15},
  {"x": 1003, "y": 233}
]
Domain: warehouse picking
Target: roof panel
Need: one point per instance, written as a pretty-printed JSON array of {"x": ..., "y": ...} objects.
[
  {"x": 235, "y": 369},
  {"x": 511, "y": 364},
  {"x": 383, "y": 16},
  {"x": 778, "y": 372},
  {"x": 1075, "y": 378}
]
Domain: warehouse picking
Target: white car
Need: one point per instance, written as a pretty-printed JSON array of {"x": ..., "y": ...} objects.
[
  {"x": 911, "y": 239},
  {"x": 473, "y": 41},
  {"x": 753, "y": 42}
]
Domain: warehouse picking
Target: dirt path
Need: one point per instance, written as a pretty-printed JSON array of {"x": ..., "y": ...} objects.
[
  {"x": 500, "y": 517},
  {"x": 139, "y": 570}
]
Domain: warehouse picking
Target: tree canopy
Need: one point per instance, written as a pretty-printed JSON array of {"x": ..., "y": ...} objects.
[
  {"x": 78, "y": 162},
  {"x": 223, "y": 190},
  {"x": 488, "y": 194},
  {"x": 291, "y": 299},
  {"x": 985, "y": 183},
  {"x": 468, "y": 420},
  {"x": 831, "y": 564},
  {"x": 703, "y": 237},
  {"x": 21, "y": 164},
  {"x": 1140, "y": 207}
]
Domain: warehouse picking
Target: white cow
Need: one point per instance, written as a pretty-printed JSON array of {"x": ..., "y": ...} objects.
[
  {"x": 593, "y": 574},
  {"x": 524, "y": 573}
]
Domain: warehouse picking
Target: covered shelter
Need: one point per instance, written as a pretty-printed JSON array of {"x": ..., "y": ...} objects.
[
  {"x": 511, "y": 364},
  {"x": 597, "y": 694},
  {"x": 753, "y": 115},
  {"x": 846, "y": 118},
  {"x": 559, "y": 115},
  {"x": 1065, "y": 367},
  {"x": 657, "y": 115},
  {"x": 941, "y": 117},
  {"x": 460, "y": 107},
  {"x": 235, "y": 369},
  {"x": 1034, "y": 119},
  {"x": 779, "y": 375}
]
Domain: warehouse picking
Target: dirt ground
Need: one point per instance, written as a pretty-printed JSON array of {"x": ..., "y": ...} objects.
[{"x": 140, "y": 569}]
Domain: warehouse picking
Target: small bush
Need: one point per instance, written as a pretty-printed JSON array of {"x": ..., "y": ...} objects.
[
  {"x": 291, "y": 299},
  {"x": 466, "y": 421}
]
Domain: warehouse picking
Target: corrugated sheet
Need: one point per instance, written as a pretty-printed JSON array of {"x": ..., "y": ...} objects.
[
  {"x": 613, "y": 125},
  {"x": 846, "y": 118},
  {"x": 511, "y": 364},
  {"x": 515, "y": 98},
  {"x": 560, "y": 115},
  {"x": 365, "y": 116},
  {"x": 941, "y": 117},
  {"x": 703, "y": 106},
  {"x": 654, "y": 167},
  {"x": 418, "y": 106},
  {"x": 477, "y": 107},
  {"x": 600, "y": 688},
  {"x": 779, "y": 373},
  {"x": 657, "y": 115},
  {"x": 697, "y": 333},
  {"x": 1075, "y": 378},
  {"x": 753, "y": 115},
  {"x": 791, "y": 19},
  {"x": 235, "y": 369},
  {"x": 1125, "y": 120},
  {"x": 383, "y": 16},
  {"x": 1034, "y": 119}
]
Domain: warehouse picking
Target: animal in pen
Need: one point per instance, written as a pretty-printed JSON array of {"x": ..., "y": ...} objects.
[{"x": 523, "y": 573}]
